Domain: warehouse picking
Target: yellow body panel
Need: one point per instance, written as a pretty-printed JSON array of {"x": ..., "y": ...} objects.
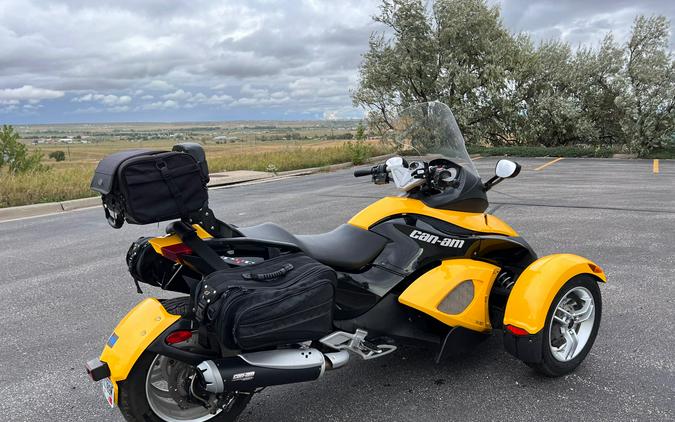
[
  {"x": 537, "y": 286},
  {"x": 135, "y": 332},
  {"x": 172, "y": 239},
  {"x": 429, "y": 290},
  {"x": 390, "y": 206}
]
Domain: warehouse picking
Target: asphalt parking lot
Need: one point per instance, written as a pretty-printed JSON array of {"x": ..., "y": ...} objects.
[{"x": 64, "y": 286}]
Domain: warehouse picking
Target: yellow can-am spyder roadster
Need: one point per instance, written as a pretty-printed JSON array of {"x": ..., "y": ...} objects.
[{"x": 427, "y": 267}]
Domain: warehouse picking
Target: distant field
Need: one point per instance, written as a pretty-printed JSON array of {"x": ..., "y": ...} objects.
[
  {"x": 70, "y": 179},
  {"x": 78, "y": 154},
  {"x": 236, "y": 145}
]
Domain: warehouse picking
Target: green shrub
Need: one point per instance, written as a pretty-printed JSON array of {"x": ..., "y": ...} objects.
[
  {"x": 359, "y": 151},
  {"x": 57, "y": 155},
  {"x": 527, "y": 151}
]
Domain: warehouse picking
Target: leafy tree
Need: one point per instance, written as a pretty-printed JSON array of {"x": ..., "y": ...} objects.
[
  {"x": 504, "y": 90},
  {"x": 648, "y": 97},
  {"x": 57, "y": 155},
  {"x": 547, "y": 105},
  {"x": 360, "y": 132},
  {"x": 458, "y": 53},
  {"x": 597, "y": 86},
  {"x": 15, "y": 154}
]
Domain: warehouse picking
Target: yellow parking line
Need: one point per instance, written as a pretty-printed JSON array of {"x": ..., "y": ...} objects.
[
  {"x": 655, "y": 167},
  {"x": 543, "y": 166},
  {"x": 477, "y": 157}
]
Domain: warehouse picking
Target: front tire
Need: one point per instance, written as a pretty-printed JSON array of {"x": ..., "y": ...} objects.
[
  {"x": 144, "y": 396},
  {"x": 572, "y": 324}
]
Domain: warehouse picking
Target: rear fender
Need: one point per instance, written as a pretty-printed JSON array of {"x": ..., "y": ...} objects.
[
  {"x": 132, "y": 336},
  {"x": 535, "y": 289}
]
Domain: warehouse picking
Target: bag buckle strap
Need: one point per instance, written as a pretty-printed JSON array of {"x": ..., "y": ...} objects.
[{"x": 207, "y": 294}]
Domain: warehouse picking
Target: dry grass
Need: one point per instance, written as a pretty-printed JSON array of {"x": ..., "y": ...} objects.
[
  {"x": 70, "y": 179},
  {"x": 287, "y": 158},
  {"x": 53, "y": 185}
]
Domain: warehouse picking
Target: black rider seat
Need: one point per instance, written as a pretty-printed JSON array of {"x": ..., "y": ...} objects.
[{"x": 346, "y": 248}]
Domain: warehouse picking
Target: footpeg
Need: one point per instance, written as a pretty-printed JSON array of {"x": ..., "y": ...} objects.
[{"x": 357, "y": 343}]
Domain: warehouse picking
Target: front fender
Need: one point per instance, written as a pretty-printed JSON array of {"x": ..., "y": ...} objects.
[
  {"x": 537, "y": 286},
  {"x": 134, "y": 333}
]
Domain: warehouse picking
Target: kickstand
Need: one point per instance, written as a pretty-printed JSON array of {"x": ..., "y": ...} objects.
[{"x": 459, "y": 341}]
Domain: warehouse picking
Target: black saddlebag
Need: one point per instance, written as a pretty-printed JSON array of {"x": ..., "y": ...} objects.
[
  {"x": 147, "y": 266},
  {"x": 284, "y": 300},
  {"x": 142, "y": 186}
]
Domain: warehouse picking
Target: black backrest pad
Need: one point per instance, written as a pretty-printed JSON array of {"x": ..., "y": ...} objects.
[{"x": 197, "y": 152}]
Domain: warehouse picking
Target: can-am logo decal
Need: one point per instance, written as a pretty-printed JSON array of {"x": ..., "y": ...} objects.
[{"x": 448, "y": 242}]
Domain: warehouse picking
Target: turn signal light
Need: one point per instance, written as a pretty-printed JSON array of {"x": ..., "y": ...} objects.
[
  {"x": 516, "y": 331},
  {"x": 596, "y": 269},
  {"x": 173, "y": 252},
  {"x": 178, "y": 336}
]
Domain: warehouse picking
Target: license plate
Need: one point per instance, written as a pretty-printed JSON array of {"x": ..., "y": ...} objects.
[{"x": 108, "y": 391}]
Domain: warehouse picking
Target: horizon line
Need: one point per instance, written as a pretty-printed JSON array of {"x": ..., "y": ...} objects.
[{"x": 205, "y": 122}]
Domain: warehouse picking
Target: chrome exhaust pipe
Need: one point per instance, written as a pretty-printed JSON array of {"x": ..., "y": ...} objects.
[
  {"x": 335, "y": 360},
  {"x": 249, "y": 371}
]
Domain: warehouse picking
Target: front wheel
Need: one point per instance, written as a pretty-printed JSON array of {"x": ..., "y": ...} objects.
[
  {"x": 162, "y": 389},
  {"x": 572, "y": 324}
]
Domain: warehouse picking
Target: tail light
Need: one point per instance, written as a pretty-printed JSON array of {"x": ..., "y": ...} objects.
[
  {"x": 174, "y": 252},
  {"x": 596, "y": 268},
  {"x": 516, "y": 331},
  {"x": 178, "y": 336}
]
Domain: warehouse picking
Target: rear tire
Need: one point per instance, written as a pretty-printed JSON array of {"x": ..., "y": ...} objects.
[
  {"x": 133, "y": 398},
  {"x": 583, "y": 290}
]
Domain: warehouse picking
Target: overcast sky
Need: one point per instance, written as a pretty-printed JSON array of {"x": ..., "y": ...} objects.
[{"x": 174, "y": 60}]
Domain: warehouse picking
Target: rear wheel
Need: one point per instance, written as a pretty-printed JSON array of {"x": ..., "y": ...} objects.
[
  {"x": 572, "y": 324},
  {"x": 160, "y": 388}
]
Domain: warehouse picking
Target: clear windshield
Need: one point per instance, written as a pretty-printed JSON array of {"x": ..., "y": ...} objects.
[{"x": 430, "y": 130}]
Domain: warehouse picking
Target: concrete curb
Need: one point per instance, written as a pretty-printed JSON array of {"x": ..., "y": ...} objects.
[
  {"x": 29, "y": 210},
  {"x": 36, "y": 210},
  {"x": 74, "y": 204},
  {"x": 237, "y": 177}
]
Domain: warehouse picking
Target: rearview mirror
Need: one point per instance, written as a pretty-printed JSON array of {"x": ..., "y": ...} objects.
[{"x": 506, "y": 169}]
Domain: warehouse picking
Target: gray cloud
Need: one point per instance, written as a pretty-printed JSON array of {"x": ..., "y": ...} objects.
[
  {"x": 580, "y": 21},
  {"x": 220, "y": 58}
]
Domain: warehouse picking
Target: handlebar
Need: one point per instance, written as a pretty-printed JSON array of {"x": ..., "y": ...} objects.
[{"x": 363, "y": 172}]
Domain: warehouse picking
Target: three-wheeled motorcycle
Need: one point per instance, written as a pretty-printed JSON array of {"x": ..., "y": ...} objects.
[{"x": 427, "y": 267}]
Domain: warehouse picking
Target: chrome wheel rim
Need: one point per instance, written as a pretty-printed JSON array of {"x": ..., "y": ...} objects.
[
  {"x": 571, "y": 324},
  {"x": 161, "y": 400}
]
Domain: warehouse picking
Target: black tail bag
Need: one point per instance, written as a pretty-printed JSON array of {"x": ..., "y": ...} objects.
[
  {"x": 143, "y": 187},
  {"x": 284, "y": 300}
]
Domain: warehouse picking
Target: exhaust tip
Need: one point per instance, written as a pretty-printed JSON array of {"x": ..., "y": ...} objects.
[
  {"x": 337, "y": 359},
  {"x": 213, "y": 382}
]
